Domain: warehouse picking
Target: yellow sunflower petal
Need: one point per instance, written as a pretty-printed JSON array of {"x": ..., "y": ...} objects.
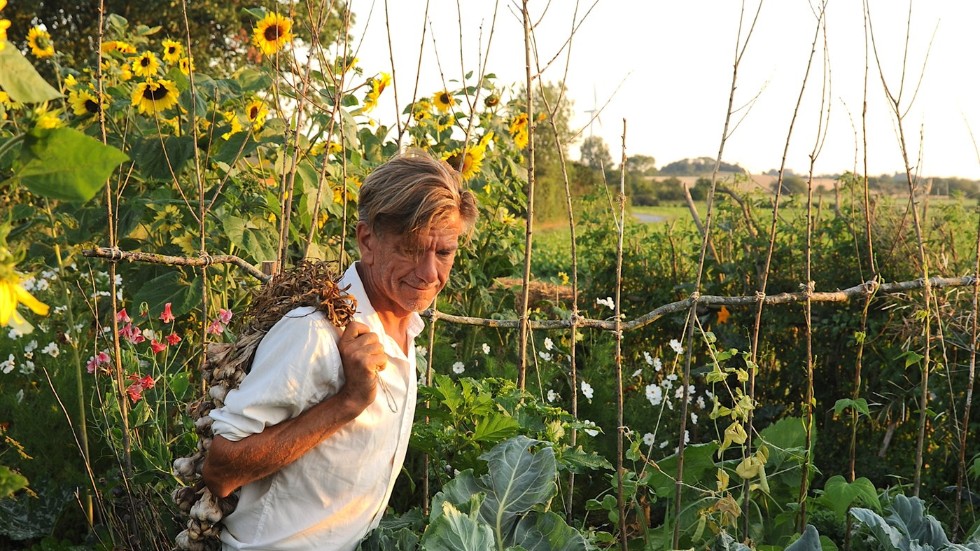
[
  {"x": 20, "y": 324},
  {"x": 8, "y": 302},
  {"x": 28, "y": 300}
]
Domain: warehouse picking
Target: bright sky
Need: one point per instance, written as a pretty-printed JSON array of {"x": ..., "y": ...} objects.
[{"x": 665, "y": 66}]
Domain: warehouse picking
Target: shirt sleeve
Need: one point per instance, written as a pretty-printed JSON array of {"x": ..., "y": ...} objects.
[{"x": 297, "y": 364}]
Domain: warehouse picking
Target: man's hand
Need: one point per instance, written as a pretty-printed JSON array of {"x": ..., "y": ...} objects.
[{"x": 363, "y": 356}]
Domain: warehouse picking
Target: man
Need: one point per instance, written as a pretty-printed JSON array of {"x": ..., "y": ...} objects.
[{"x": 317, "y": 432}]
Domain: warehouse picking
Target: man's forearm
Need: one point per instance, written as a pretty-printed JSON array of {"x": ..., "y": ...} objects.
[{"x": 230, "y": 465}]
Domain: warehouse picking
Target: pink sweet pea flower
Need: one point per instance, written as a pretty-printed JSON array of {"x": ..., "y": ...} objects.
[
  {"x": 167, "y": 316},
  {"x": 224, "y": 316},
  {"x": 157, "y": 346},
  {"x": 135, "y": 389},
  {"x": 97, "y": 361},
  {"x": 147, "y": 382},
  {"x": 132, "y": 334},
  {"x": 216, "y": 328},
  {"x": 122, "y": 316},
  {"x": 173, "y": 339}
]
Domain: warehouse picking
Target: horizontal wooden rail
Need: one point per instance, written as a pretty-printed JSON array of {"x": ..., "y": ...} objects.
[{"x": 842, "y": 295}]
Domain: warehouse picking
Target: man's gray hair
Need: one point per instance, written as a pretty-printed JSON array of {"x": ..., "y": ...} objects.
[{"x": 413, "y": 192}]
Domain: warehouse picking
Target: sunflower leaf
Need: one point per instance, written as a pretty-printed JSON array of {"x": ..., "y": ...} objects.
[
  {"x": 63, "y": 163},
  {"x": 20, "y": 80}
]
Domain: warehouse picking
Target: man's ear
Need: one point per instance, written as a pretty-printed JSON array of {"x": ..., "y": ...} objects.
[{"x": 367, "y": 243}]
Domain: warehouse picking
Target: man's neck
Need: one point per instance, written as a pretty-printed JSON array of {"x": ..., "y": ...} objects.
[{"x": 396, "y": 325}]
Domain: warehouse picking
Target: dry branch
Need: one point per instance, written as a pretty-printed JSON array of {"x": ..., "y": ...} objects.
[{"x": 115, "y": 255}]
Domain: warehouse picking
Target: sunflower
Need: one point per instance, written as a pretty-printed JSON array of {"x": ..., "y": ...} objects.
[
  {"x": 186, "y": 65},
  {"x": 172, "y": 51},
  {"x": 378, "y": 85},
  {"x": 40, "y": 42},
  {"x": 236, "y": 125},
  {"x": 13, "y": 293},
  {"x": 46, "y": 118},
  {"x": 443, "y": 100},
  {"x": 469, "y": 164},
  {"x": 118, "y": 46},
  {"x": 518, "y": 130},
  {"x": 69, "y": 83},
  {"x": 4, "y": 25},
  {"x": 84, "y": 103},
  {"x": 421, "y": 111},
  {"x": 146, "y": 65},
  {"x": 256, "y": 112},
  {"x": 272, "y": 33},
  {"x": 153, "y": 96}
]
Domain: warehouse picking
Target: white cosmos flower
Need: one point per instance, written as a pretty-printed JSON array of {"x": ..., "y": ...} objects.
[
  {"x": 458, "y": 368},
  {"x": 648, "y": 439},
  {"x": 51, "y": 349},
  {"x": 548, "y": 345},
  {"x": 677, "y": 346},
  {"x": 486, "y": 348},
  {"x": 608, "y": 301},
  {"x": 590, "y": 432},
  {"x": 587, "y": 390},
  {"x": 655, "y": 394}
]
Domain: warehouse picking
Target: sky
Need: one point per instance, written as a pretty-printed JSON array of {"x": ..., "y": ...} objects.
[{"x": 665, "y": 68}]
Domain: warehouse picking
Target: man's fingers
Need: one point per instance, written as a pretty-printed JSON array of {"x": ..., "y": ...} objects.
[{"x": 354, "y": 329}]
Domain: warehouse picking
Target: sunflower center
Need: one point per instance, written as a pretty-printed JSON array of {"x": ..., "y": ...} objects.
[
  {"x": 91, "y": 106},
  {"x": 273, "y": 32},
  {"x": 171, "y": 50},
  {"x": 444, "y": 98},
  {"x": 155, "y": 92},
  {"x": 145, "y": 62},
  {"x": 253, "y": 113}
]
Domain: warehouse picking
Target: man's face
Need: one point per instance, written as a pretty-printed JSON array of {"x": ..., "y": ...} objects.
[{"x": 403, "y": 275}]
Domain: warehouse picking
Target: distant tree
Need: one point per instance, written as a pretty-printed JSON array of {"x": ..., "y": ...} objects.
[
  {"x": 670, "y": 189},
  {"x": 595, "y": 153},
  {"x": 792, "y": 184},
  {"x": 701, "y": 188},
  {"x": 549, "y": 190},
  {"x": 643, "y": 165},
  {"x": 698, "y": 167}
]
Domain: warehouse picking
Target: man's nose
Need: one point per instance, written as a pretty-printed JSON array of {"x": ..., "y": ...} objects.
[{"x": 427, "y": 268}]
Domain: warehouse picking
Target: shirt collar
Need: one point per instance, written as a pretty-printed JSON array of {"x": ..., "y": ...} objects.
[{"x": 365, "y": 310}]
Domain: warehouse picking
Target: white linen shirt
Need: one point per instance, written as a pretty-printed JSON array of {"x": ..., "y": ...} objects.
[{"x": 333, "y": 495}]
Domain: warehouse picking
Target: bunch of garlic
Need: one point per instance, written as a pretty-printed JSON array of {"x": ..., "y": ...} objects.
[{"x": 224, "y": 368}]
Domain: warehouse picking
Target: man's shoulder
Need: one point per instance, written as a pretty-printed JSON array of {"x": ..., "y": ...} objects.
[{"x": 304, "y": 321}]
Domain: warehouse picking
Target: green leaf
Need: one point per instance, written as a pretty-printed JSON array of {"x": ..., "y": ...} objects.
[
  {"x": 456, "y": 531},
  {"x": 63, "y": 163},
  {"x": 547, "y": 532},
  {"x": 10, "y": 482},
  {"x": 699, "y": 465},
  {"x": 861, "y": 405},
  {"x": 809, "y": 541},
  {"x": 254, "y": 236},
  {"x": 579, "y": 461},
  {"x": 518, "y": 479},
  {"x": 253, "y": 80},
  {"x": 156, "y": 156},
  {"x": 21, "y": 80},
  {"x": 890, "y": 538},
  {"x": 839, "y": 495},
  {"x": 495, "y": 428},
  {"x": 170, "y": 287}
]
